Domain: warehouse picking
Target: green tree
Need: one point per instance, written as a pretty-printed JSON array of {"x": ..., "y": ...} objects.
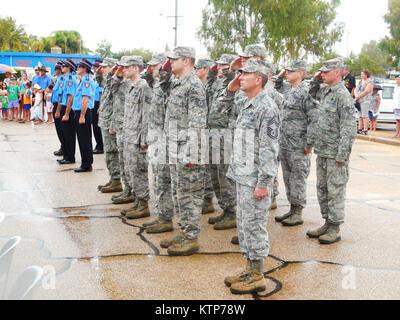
[
  {"x": 391, "y": 45},
  {"x": 290, "y": 29},
  {"x": 12, "y": 36},
  {"x": 69, "y": 41},
  {"x": 144, "y": 53},
  {"x": 229, "y": 25},
  {"x": 104, "y": 49}
]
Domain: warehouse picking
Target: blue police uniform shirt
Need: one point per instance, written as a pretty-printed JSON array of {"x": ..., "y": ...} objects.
[
  {"x": 58, "y": 89},
  {"x": 44, "y": 82},
  {"x": 86, "y": 88},
  {"x": 98, "y": 91},
  {"x": 70, "y": 86}
]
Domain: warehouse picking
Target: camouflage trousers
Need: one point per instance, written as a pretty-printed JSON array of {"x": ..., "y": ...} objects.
[
  {"x": 295, "y": 169},
  {"x": 111, "y": 154},
  {"x": 136, "y": 169},
  {"x": 163, "y": 196},
  {"x": 208, "y": 187},
  {"x": 120, "y": 146},
  {"x": 275, "y": 193},
  {"x": 252, "y": 217},
  {"x": 331, "y": 189},
  {"x": 224, "y": 188},
  {"x": 188, "y": 188}
]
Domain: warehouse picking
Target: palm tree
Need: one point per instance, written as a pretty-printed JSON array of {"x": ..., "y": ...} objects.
[{"x": 12, "y": 36}]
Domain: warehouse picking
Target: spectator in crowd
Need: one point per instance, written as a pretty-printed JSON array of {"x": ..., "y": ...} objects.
[
  {"x": 36, "y": 76},
  {"x": 43, "y": 80},
  {"x": 37, "y": 111},
  {"x": 349, "y": 80},
  {"x": 7, "y": 79},
  {"x": 26, "y": 97},
  {"x": 13, "y": 98},
  {"x": 22, "y": 84},
  {"x": 49, "y": 105},
  {"x": 4, "y": 101},
  {"x": 363, "y": 95},
  {"x": 374, "y": 107}
]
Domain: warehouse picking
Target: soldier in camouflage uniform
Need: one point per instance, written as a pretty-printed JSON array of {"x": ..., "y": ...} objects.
[
  {"x": 203, "y": 71},
  {"x": 299, "y": 120},
  {"x": 185, "y": 117},
  {"x": 258, "y": 130},
  {"x": 110, "y": 141},
  {"x": 161, "y": 183},
  {"x": 220, "y": 120},
  {"x": 137, "y": 105},
  {"x": 335, "y": 135},
  {"x": 119, "y": 88}
]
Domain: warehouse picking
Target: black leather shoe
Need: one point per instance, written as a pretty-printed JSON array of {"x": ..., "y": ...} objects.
[
  {"x": 80, "y": 169},
  {"x": 65, "y": 161},
  {"x": 59, "y": 153},
  {"x": 95, "y": 151}
]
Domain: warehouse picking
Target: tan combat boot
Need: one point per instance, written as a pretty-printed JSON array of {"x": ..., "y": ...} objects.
[
  {"x": 254, "y": 282},
  {"x": 128, "y": 197},
  {"x": 115, "y": 186},
  {"x": 295, "y": 219},
  {"x": 228, "y": 222},
  {"x": 106, "y": 185},
  {"x": 315, "y": 234},
  {"x": 208, "y": 207},
  {"x": 274, "y": 204},
  {"x": 151, "y": 223},
  {"x": 160, "y": 227},
  {"x": 285, "y": 216},
  {"x": 332, "y": 235},
  {"x": 186, "y": 247},
  {"x": 235, "y": 240},
  {"x": 125, "y": 192},
  {"x": 141, "y": 210},
  {"x": 214, "y": 220},
  {"x": 125, "y": 211},
  {"x": 169, "y": 242},
  {"x": 241, "y": 277}
]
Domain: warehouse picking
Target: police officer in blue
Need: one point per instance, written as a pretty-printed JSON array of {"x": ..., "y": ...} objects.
[
  {"x": 57, "y": 91},
  {"x": 99, "y": 148},
  {"x": 83, "y": 103},
  {"x": 66, "y": 114}
]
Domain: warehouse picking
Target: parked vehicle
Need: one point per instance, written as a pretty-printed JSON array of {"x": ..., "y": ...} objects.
[{"x": 386, "y": 108}]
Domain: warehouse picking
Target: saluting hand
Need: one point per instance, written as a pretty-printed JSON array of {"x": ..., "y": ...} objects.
[
  {"x": 149, "y": 69},
  {"x": 236, "y": 64},
  {"x": 214, "y": 68},
  {"x": 235, "y": 84},
  {"x": 167, "y": 66}
]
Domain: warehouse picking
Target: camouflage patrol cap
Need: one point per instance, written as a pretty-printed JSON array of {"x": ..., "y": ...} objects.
[
  {"x": 182, "y": 52},
  {"x": 108, "y": 62},
  {"x": 254, "y": 65},
  {"x": 297, "y": 65},
  {"x": 332, "y": 64},
  {"x": 254, "y": 50},
  {"x": 157, "y": 58},
  {"x": 204, "y": 63},
  {"x": 226, "y": 59},
  {"x": 128, "y": 61}
]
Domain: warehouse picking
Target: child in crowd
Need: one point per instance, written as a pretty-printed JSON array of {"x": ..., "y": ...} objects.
[
  {"x": 13, "y": 98},
  {"x": 49, "y": 105},
  {"x": 4, "y": 101},
  {"x": 27, "y": 102},
  {"x": 374, "y": 107},
  {"x": 37, "y": 111}
]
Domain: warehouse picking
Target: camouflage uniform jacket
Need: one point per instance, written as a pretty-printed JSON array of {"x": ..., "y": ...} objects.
[
  {"x": 119, "y": 88},
  {"x": 186, "y": 112},
  {"x": 336, "y": 129},
  {"x": 274, "y": 94},
  {"x": 156, "y": 111},
  {"x": 299, "y": 117},
  {"x": 137, "y": 106},
  {"x": 257, "y": 130},
  {"x": 106, "y": 104}
]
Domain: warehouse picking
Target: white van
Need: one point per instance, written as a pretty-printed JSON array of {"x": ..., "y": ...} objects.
[{"x": 386, "y": 108}]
